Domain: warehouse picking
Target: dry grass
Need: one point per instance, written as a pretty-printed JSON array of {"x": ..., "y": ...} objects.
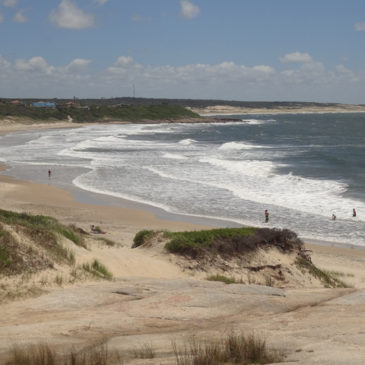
[
  {"x": 233, "y": 349},
  {"x": 44, "y": 355}
]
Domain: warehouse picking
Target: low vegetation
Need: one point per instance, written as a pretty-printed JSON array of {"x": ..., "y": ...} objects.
[
  {"x": 98, "y": 270},
  {"x": 219, "y": 248},
  {"x": 142, "y": 237},
  {"x": 232, "y": 349},
  {"x": 96, "y": 112},
  {"x": 223, "y": 279},
  {"x": 41, "y": 224},
  {"x": 43, "y": 354},
  {"x": 226, "y": 242},
  {"x": 328, "y": 279}
]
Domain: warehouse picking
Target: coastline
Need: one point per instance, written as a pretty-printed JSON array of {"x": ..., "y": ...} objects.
[
  {"x": 224, "y": 110},
  {"x": 122, "y": 219},
  {"x": 99, "y": 201},
  {"x": 210, "y": 114}
]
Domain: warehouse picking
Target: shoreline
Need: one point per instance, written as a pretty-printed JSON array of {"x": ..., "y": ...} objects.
[
  {"x": 122, "y": 223},
  {"x": 77, "y": 197},
  {"x": 222, "y": 110},
  {"x": 211, "y": 114},
  {"x": 95, "y": 199}
]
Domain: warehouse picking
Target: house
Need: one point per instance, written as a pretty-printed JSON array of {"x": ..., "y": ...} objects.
[{"x": 44, "y": 104}]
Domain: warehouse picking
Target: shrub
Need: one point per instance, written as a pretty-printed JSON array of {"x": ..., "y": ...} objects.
[
  {"x": 41, "y": 223},
  {"x": 233, "y": 349},
  {"x": 327, "y": 279},
  {"x": 98, "y": 270},
  {"x": 141, "y": 237},
  {"x": 229, "y": 242},
  {"x": 146, "y": 351},
  {"x": 223, "y": 279},
  {"x": 43, "y": 354}
]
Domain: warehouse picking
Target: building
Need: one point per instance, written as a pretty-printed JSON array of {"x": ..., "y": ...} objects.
[{"x": 44, "y": 104}]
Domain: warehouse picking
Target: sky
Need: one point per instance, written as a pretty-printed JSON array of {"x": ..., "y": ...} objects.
[{"x": 254, "y": 50}]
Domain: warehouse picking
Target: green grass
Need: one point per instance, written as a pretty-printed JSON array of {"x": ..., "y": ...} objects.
[
  {"x": 95, "y": 113},
  {"x": 223, "y": 279},
  {"x": 196, "y": 243},
  {"x": 16, "y": 258},
  {"x": 141, "y": 237},
  {"x": 41, "y": 222},
  {"x": 225, "y": 242},
  {"x": 97, "y": 269},
  {"x": 327, "y": 279}
]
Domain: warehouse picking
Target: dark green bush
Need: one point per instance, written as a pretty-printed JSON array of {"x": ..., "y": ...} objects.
[{"x": 141, "y": 237}]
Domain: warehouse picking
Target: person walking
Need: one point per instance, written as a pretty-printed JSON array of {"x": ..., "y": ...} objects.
[{"x": 49, "y": 174}]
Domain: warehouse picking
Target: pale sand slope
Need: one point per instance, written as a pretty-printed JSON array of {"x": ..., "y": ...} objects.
[
  {"x": 232, "y": 110},
  {"x": 152, "y": 301}
]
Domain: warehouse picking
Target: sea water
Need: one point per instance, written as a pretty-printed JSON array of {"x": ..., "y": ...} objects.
[{"x": 301, "y": 167}]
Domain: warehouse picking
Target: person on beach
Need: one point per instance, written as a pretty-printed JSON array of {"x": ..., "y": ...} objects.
[
  {"x": 49, "y": 174},
  {"x": 333, "y": 216},
  {"x": 266, "y": 215},
  {"x": 354, "y": 212}
]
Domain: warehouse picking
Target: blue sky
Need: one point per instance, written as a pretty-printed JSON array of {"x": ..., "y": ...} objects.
[{"x": 275, "y": 50}]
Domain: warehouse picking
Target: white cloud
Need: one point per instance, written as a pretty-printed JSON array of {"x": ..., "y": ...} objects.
[
  {"x": 78, "y": 65},
  {"x": 360, "y": 27},
  {"x": 311, "y": 81},
  {"x": 69, "y": 16},
  {"x": 296, "y": 57},
  {"x": 9, "y": 3},
  {"x": 19, "y": 17},
  {"x": 34, "y": 64},
  {"x": 188, "y": 9}
]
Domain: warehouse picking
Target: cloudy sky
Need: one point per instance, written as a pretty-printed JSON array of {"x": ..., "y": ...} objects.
[{"x": 305, "y": 50}]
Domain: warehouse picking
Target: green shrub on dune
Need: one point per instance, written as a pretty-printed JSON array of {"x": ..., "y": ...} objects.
[{"x": 41, "y": 222}]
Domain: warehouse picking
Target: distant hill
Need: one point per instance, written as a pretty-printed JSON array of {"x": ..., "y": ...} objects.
[
  {"x": 193, "y": 103},
  {"x": 94, "y": 112}
]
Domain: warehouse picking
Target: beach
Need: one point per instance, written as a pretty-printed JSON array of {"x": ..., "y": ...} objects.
[{"x": 163, "y": 301}]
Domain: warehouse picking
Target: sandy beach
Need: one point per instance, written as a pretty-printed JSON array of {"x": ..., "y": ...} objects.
[
  {"x": 312, "y": 325},
  {"x": 226, "y": 110}
]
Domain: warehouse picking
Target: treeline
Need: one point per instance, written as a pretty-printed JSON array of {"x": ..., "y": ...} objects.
[
  {"x": 95, "y": 112},
  {"x": 200, "y": 103},
  {"x": 193, "y": 103}
]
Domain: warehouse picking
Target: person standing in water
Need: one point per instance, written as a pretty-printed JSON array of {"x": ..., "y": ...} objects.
[
  {"x": 266, "y": 215},
  {"x": 49, "y": 174},
  {"x": 354, "y": 212}
]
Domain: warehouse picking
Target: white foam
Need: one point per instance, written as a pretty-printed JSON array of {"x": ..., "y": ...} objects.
[
  {"x": 257, "y": 121},
  {"x": 187, "y": 141},
  {"x": 239, "y": 146}
]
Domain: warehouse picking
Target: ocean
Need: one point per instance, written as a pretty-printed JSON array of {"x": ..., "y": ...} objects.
[{"x": 302, "y": 168}]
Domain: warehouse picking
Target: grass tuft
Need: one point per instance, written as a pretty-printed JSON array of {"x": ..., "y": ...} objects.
[
  {"x": 223, "y": 279},
  {"x": 44, "y": 355},
  {"x": 141, "y": 237},
  {"x": 327, "y": 279},
  {"x": 146, "y": 351},
  {"x": 233, "y": 349},
  {"x": 97, "y": 269}
]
